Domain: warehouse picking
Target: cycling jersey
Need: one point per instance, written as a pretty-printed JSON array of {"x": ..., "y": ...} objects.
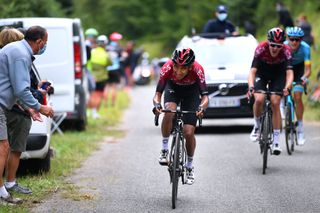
[
  {"x": 302, "y": 54},
  {"x": 300, "y": 58},
  {"x": 270, "y": 68},
  {"x": 195, "y": 76}
]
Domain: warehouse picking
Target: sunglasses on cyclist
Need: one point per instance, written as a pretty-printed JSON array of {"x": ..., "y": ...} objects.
[
  {"x": 276, "y": 45},
  {"x": 295, "y": 39}
]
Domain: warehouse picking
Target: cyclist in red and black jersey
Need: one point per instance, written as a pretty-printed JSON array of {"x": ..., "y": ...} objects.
[
  {"x": 271, "y": 64},
  {"x": 181, "y": 79}
]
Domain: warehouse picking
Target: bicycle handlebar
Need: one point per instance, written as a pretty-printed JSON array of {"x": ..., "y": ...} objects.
[{"x": 156, "y": 117}]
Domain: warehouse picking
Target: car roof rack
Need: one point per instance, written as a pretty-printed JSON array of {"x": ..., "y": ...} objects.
[{"x": 216, "y": 35}]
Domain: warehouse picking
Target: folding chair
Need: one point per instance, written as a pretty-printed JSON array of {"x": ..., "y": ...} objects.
[{"x": 56, "y": 121}]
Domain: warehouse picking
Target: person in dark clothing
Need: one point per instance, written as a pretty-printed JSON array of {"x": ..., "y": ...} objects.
[
  {"x": 305, "y": 25},
  {"x": 220, "y": 24},
  {"x": 285, "y": 18}
]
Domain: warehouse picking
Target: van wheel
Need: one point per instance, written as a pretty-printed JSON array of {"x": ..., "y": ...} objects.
[
  {"x": 80, "y": 125},
  {"x": 35, "y": 166}
]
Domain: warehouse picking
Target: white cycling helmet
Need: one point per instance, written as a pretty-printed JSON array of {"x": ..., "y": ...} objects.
[{"x": 102, "y": 39}]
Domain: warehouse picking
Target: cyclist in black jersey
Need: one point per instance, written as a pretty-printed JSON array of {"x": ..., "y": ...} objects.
[
  {"x": 271, "y": 65},
  {"x": 181, "y": 79}
]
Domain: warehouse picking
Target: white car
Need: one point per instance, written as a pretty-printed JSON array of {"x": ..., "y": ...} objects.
[{"x": 226, "y": 61}]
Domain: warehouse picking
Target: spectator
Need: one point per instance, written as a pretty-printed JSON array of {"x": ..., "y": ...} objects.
[
  {"x": 114, "y": 70},
  {"x": 19, "y": 120},
  {"x": 99, "y": 62},
  {"x": 91, "y": 36},
  {"x": 250, "y": 27},
  {"x": 130, "y": 62},
  {"x": 304, "y": 24},
  {"x": 220, "y": 24},
  {"x": 284, "y": 15},
  {"x": 15, "y": 65}
]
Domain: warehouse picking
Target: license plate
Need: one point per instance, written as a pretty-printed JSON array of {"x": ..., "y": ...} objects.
[{"x": 216, "y": 102}]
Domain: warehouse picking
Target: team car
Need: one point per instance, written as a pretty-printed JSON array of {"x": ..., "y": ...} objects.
[{"x": 226, "y": 61}]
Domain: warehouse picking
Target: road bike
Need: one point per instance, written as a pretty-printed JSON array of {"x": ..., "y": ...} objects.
[
  {"x": 177, "y": 154},
  {"x": 290, "y": 122},
  {"x": 266, "y": 129}
]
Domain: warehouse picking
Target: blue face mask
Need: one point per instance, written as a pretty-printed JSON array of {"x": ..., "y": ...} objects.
[
  {"x": 222, "y": 16},
  {"x": 42, "y": 50}
]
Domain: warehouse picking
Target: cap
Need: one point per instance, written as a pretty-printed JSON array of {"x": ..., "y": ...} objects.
[{"x": 221, "y": 9}]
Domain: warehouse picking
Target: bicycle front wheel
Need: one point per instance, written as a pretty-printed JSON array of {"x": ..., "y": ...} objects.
[
  {"x": 289, "y": 129},
  {"x": 175, "y": 171},
  {"x": 266, "y": 122}
]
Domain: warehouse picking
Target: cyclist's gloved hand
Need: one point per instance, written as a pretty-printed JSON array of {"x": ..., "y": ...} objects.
[
  {"x": 250, "y": 93},
  {"x": 200, "y": 112},
  {"x": 157, "y": 109},
  {"x": 286, "y": 91},
  {"x": 305, "y": 80}
]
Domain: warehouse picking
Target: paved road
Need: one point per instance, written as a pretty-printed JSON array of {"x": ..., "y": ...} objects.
[{"x": 124, "y": 175}]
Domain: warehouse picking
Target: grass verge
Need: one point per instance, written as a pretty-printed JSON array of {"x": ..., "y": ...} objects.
[{"x": 71, "y": 150}]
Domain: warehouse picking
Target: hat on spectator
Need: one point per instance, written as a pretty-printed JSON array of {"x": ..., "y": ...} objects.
[
  {"x": 221, "y": 9},
  {"x": 115, "y": 36}
]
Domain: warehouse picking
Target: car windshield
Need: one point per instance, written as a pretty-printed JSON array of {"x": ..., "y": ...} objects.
[{"x": 217, "y": 55}]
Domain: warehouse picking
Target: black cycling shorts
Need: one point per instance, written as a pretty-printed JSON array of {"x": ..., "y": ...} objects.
[
  {"x": 275, "y": 74},
  {"x": 189, "y": 95},
  {"x": 298, "y": 71}
]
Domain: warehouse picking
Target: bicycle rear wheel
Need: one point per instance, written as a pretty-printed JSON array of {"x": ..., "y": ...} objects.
[
  {"x": 265, "y": 141},
  {"x": 175, "y": 170},
  {"x": 289, "y": 129}
]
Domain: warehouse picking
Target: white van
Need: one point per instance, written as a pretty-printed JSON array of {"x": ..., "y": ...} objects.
[{"x": 63, "y": 63}]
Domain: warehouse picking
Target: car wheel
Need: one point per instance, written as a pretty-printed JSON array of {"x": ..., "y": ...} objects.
[{"x": 35, "y": 166}]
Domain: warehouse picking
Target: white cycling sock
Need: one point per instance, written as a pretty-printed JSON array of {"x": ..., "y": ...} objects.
[
  {"x": 3, "y": 192},
  {"x": 189, "y": 162},
  {"x": 257, "y": 122},
  {"x": 300, "y": 125},
  {"x": 165, "y": 142},
  {"x": 10, "y": 184},
  {"x": 276, "y": 136}
]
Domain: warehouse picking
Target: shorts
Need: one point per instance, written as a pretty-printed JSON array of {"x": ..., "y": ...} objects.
[
  {"x": 114, "y": 77},
  {"x": 101, "y": 85},
  {"x": 18, "y": 130},
  {"x": 275, "y": 74},
  {"x": 3, "y": 125},
  {"x": 189, "y": 96}
]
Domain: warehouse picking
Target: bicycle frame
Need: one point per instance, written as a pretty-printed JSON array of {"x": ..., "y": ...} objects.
[{"x": 290, "y": 125}]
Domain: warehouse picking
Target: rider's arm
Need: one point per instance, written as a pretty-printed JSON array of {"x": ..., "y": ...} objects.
[
  {"x": 289, "y": 78},
  {"x": 204, "y": 102},
  {"x": 157, "y": 98},
  {"x": 252, "y": 76}
]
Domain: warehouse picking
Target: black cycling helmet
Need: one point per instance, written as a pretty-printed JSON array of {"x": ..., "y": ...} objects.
[
  {"x": 276, "y": 35},
  {"x": 183, "y": 57}
]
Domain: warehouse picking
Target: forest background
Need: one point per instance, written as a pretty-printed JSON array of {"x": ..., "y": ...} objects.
[{"x": 158, "y": 25}]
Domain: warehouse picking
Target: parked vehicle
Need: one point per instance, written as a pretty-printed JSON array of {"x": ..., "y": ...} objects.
[
  {"x": 63, "y": 63},
  {"x": 226, "y": 61},
  {"x": 143, "y": 72}
]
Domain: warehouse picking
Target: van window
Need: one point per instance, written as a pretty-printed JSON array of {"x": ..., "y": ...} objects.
[{"x": 58, "y": 48}]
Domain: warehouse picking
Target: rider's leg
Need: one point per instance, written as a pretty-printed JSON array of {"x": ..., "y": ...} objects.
[
  {"x": 297, "y": 97},
  {"x": 257, "y": 111},
  {"x": 188, "y": 132},
  {"x": 276, "y": 117},
  {"x": 166, "y": 125}
]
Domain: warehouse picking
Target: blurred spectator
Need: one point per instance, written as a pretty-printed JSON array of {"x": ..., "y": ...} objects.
[
  {"x": 307, "y": 29},
  {"x": 114, "y": 70},
  {"x": 91, "y": 36},
  {"x": 250, "y": 27},
  {"x": 285, "y": 18},
  {"x": 130, "y": 62},
  {"x": 220, "y": 24},
  {"x": 98, "y": 64}
]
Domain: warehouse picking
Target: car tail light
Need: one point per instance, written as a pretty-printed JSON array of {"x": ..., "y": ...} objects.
[{"x": 77, "y": 61}]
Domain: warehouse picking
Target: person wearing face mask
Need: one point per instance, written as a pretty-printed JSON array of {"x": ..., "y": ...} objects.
[
  {"x": 220, "y": 24},
  {"x": 15, "y": 65}
]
